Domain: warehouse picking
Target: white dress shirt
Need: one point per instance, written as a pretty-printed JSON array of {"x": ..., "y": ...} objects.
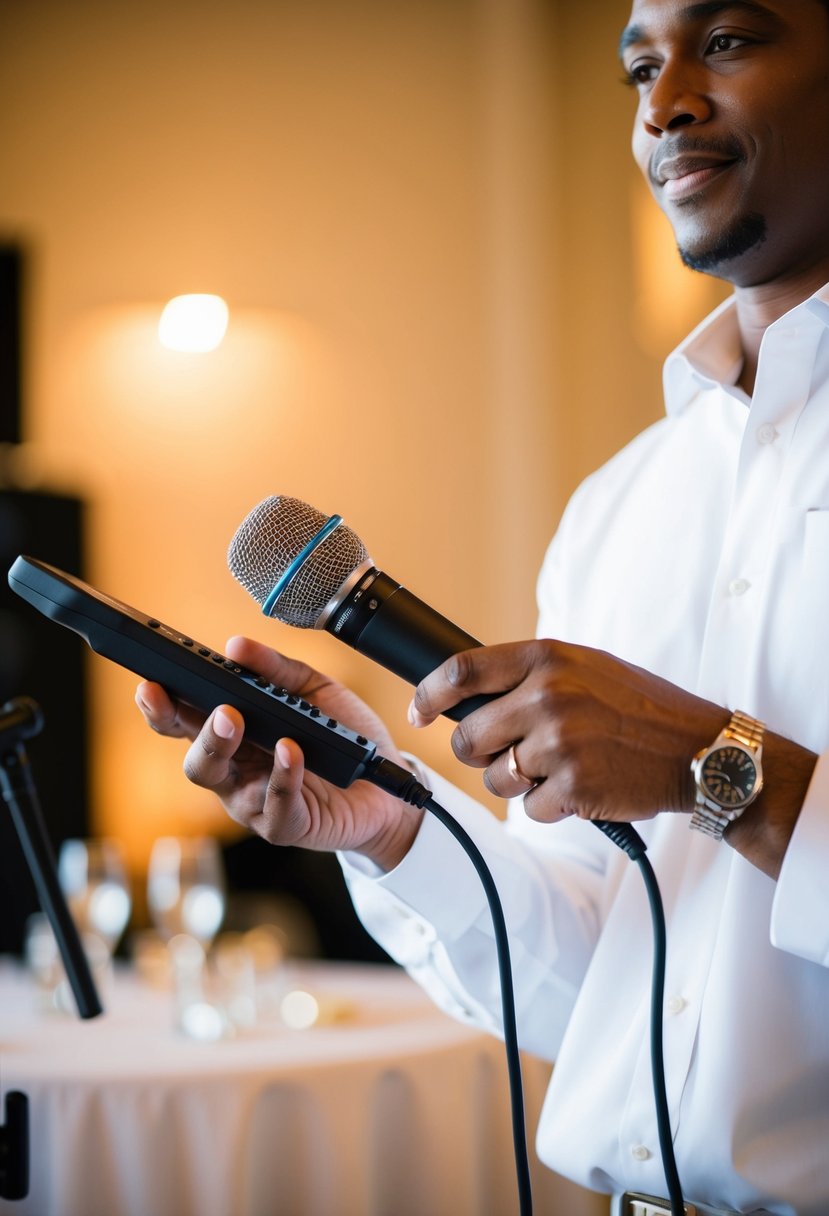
[{"x": 700, "y": 552}]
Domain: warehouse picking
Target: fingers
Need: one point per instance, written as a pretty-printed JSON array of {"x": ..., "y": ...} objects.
[
  {"x": 283, "y": 818},
  {"x": 537, "y": 737},
  {"x": 209, "y": 757},
  {"x": 166, "y": 716},
  {"x": 288, "y": 770},
  {"x": 486, "y": 669},
  {"x": 278, "y": 668},
  {"x": 517, "y": 774},
  {"x": 177, "y": 720},
  {"x": 547, "y": 799},
  {"x": 484, "y": 735},
  {"x": 262, "y": 793},
  {"x": 215, "y": 740},
  {"x": 506, "y": 778},
  {"x": 444, "y": 688}
]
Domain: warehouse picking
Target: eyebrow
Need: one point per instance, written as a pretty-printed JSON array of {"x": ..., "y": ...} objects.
[{"x": 695, "y": 12}]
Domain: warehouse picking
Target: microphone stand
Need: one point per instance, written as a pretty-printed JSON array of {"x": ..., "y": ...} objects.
[{"x": 21, "y": 719}]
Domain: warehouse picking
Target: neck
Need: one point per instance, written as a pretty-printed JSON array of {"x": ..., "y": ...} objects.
[{"x": 759, "y": 306}]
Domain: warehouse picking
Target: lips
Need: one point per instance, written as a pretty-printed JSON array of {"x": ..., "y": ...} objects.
[{"x": 681, "y": 176}]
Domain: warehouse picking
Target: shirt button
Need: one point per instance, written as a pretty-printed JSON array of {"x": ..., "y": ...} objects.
[
  {"x": 738, "y": 586},
  {"x": 640, "y": 1152},
  {"x": 676, "y": 1004},
  {"x": 766, "y": 433}
]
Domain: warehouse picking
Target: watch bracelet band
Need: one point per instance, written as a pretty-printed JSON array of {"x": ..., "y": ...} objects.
[
  {"x": 749, "y": 732},
  {"x": 745, "y": 730},
  {"x": 710, "y": 823}
]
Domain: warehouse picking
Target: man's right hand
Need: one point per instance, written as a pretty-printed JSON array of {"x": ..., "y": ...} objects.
[{"x": 275, "y": 796}]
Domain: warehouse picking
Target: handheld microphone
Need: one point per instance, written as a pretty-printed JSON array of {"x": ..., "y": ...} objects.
[{"x": 311, "y": 570}]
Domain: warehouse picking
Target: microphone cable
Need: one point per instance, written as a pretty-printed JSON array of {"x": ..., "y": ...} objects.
[
  {"x": 625, "y": 836},
  {"x": 519, "y": 1130},
  {"x": 404, "y": 785}
]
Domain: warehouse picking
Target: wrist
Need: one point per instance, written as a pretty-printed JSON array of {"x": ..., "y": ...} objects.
[
  {"x": 388, "y": 848},
  {"x": 728, "y": 775},
  {"x": 763, "y": 833}
]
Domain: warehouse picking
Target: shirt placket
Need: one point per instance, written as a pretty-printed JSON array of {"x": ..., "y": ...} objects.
[
  {"x": 729, "y": 659},
  {"x": 727, "y": 662}
]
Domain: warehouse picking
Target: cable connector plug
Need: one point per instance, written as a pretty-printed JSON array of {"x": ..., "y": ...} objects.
[
  {"x": 396, "y": 780},
  {"x": 624, "y": 835}
]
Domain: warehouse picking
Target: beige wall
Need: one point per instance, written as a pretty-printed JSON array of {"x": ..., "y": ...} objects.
[{"x": 440, "y": 274}]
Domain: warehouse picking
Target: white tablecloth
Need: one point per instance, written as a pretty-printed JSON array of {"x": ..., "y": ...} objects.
[{"x": 395, "y": 1111}]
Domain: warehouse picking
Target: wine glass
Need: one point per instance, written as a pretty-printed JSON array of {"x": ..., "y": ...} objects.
[
  {"x": 185, "y": 887},
  {"x": 93, "y": 877}
]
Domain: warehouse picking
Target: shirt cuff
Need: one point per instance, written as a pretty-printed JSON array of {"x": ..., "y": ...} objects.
[
  {"x": 436, "y": 863},
  {"x": 800, "y": 912}
]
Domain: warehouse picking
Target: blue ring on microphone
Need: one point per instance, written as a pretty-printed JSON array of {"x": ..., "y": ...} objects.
[{"x": 298, "y": 562}]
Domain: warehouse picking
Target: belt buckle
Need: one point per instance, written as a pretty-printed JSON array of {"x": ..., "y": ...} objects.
[{"x": 636, "y": 1204}]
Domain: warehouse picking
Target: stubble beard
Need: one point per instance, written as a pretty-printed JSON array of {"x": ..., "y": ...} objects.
[{"x": 743, "y": 236}]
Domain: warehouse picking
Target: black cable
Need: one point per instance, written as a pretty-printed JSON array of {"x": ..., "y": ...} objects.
[
  {"x": 663, "y": 1119},
  {"x": 625, "y": 836},
  {"x": 402, "y": 783},
  {"x": 519, "y": 1133}
]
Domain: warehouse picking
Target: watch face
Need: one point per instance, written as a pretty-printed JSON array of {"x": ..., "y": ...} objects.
[{"x": 729, "y": 775}]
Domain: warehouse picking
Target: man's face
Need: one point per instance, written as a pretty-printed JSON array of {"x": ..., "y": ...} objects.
[{"x": 732, "y": 129}]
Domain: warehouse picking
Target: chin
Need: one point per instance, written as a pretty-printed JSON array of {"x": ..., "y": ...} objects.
[{"x": 730, "y": 253}]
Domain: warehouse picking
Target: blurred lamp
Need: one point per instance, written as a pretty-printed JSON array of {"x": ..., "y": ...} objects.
[{"x": 194, "y": 323}]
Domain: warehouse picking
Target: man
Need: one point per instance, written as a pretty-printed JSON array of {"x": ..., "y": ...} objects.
[{"x": 686, "y": 593}]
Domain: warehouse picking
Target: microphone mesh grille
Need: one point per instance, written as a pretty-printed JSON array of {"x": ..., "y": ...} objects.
[{"x": 271, "y": 537}]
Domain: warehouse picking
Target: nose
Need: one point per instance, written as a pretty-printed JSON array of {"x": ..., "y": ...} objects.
[{"x": 677, "y": 98}]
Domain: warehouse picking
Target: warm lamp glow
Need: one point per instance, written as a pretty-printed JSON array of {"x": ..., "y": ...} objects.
[{"x": 194, "y": 323}]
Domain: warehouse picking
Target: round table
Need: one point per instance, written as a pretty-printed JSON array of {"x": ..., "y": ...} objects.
[{"x": 391, "y": 1109}]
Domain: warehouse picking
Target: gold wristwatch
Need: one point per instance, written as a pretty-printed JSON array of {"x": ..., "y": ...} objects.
[{"x": 728, "y": 775}]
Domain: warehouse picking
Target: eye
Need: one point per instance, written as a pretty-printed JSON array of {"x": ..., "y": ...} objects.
[
  {"x": 721, "y": 43},
  {"x": 639, "y": 74}
]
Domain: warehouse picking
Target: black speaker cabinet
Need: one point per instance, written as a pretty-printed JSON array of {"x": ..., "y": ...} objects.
[{"x": 39, "y": 659}]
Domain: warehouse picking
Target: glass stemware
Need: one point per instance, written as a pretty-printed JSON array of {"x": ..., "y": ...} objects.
[
  {"x": 186, "y": 888},
  {"x": 93, "y": 877}
]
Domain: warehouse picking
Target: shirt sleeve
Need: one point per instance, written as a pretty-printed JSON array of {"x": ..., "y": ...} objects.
[
  {"x": 800, "y": 913},
  {"x": 431, "y": 914}
]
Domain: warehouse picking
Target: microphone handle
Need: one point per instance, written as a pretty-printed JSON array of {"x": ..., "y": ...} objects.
[
  {"x": 383, "y": 621},
  {"x": 386, "y": 623}
]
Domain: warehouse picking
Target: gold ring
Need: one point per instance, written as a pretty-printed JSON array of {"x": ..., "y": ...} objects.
[{"x": 515, "y": 771}]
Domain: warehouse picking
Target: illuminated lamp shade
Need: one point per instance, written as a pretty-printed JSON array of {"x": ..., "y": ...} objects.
[{"x": 194, "y": 323}]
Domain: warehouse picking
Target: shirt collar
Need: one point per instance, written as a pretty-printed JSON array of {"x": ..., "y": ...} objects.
[
  {"x": 818, "y": 305},
  {"x": 711, "y": 356}
]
